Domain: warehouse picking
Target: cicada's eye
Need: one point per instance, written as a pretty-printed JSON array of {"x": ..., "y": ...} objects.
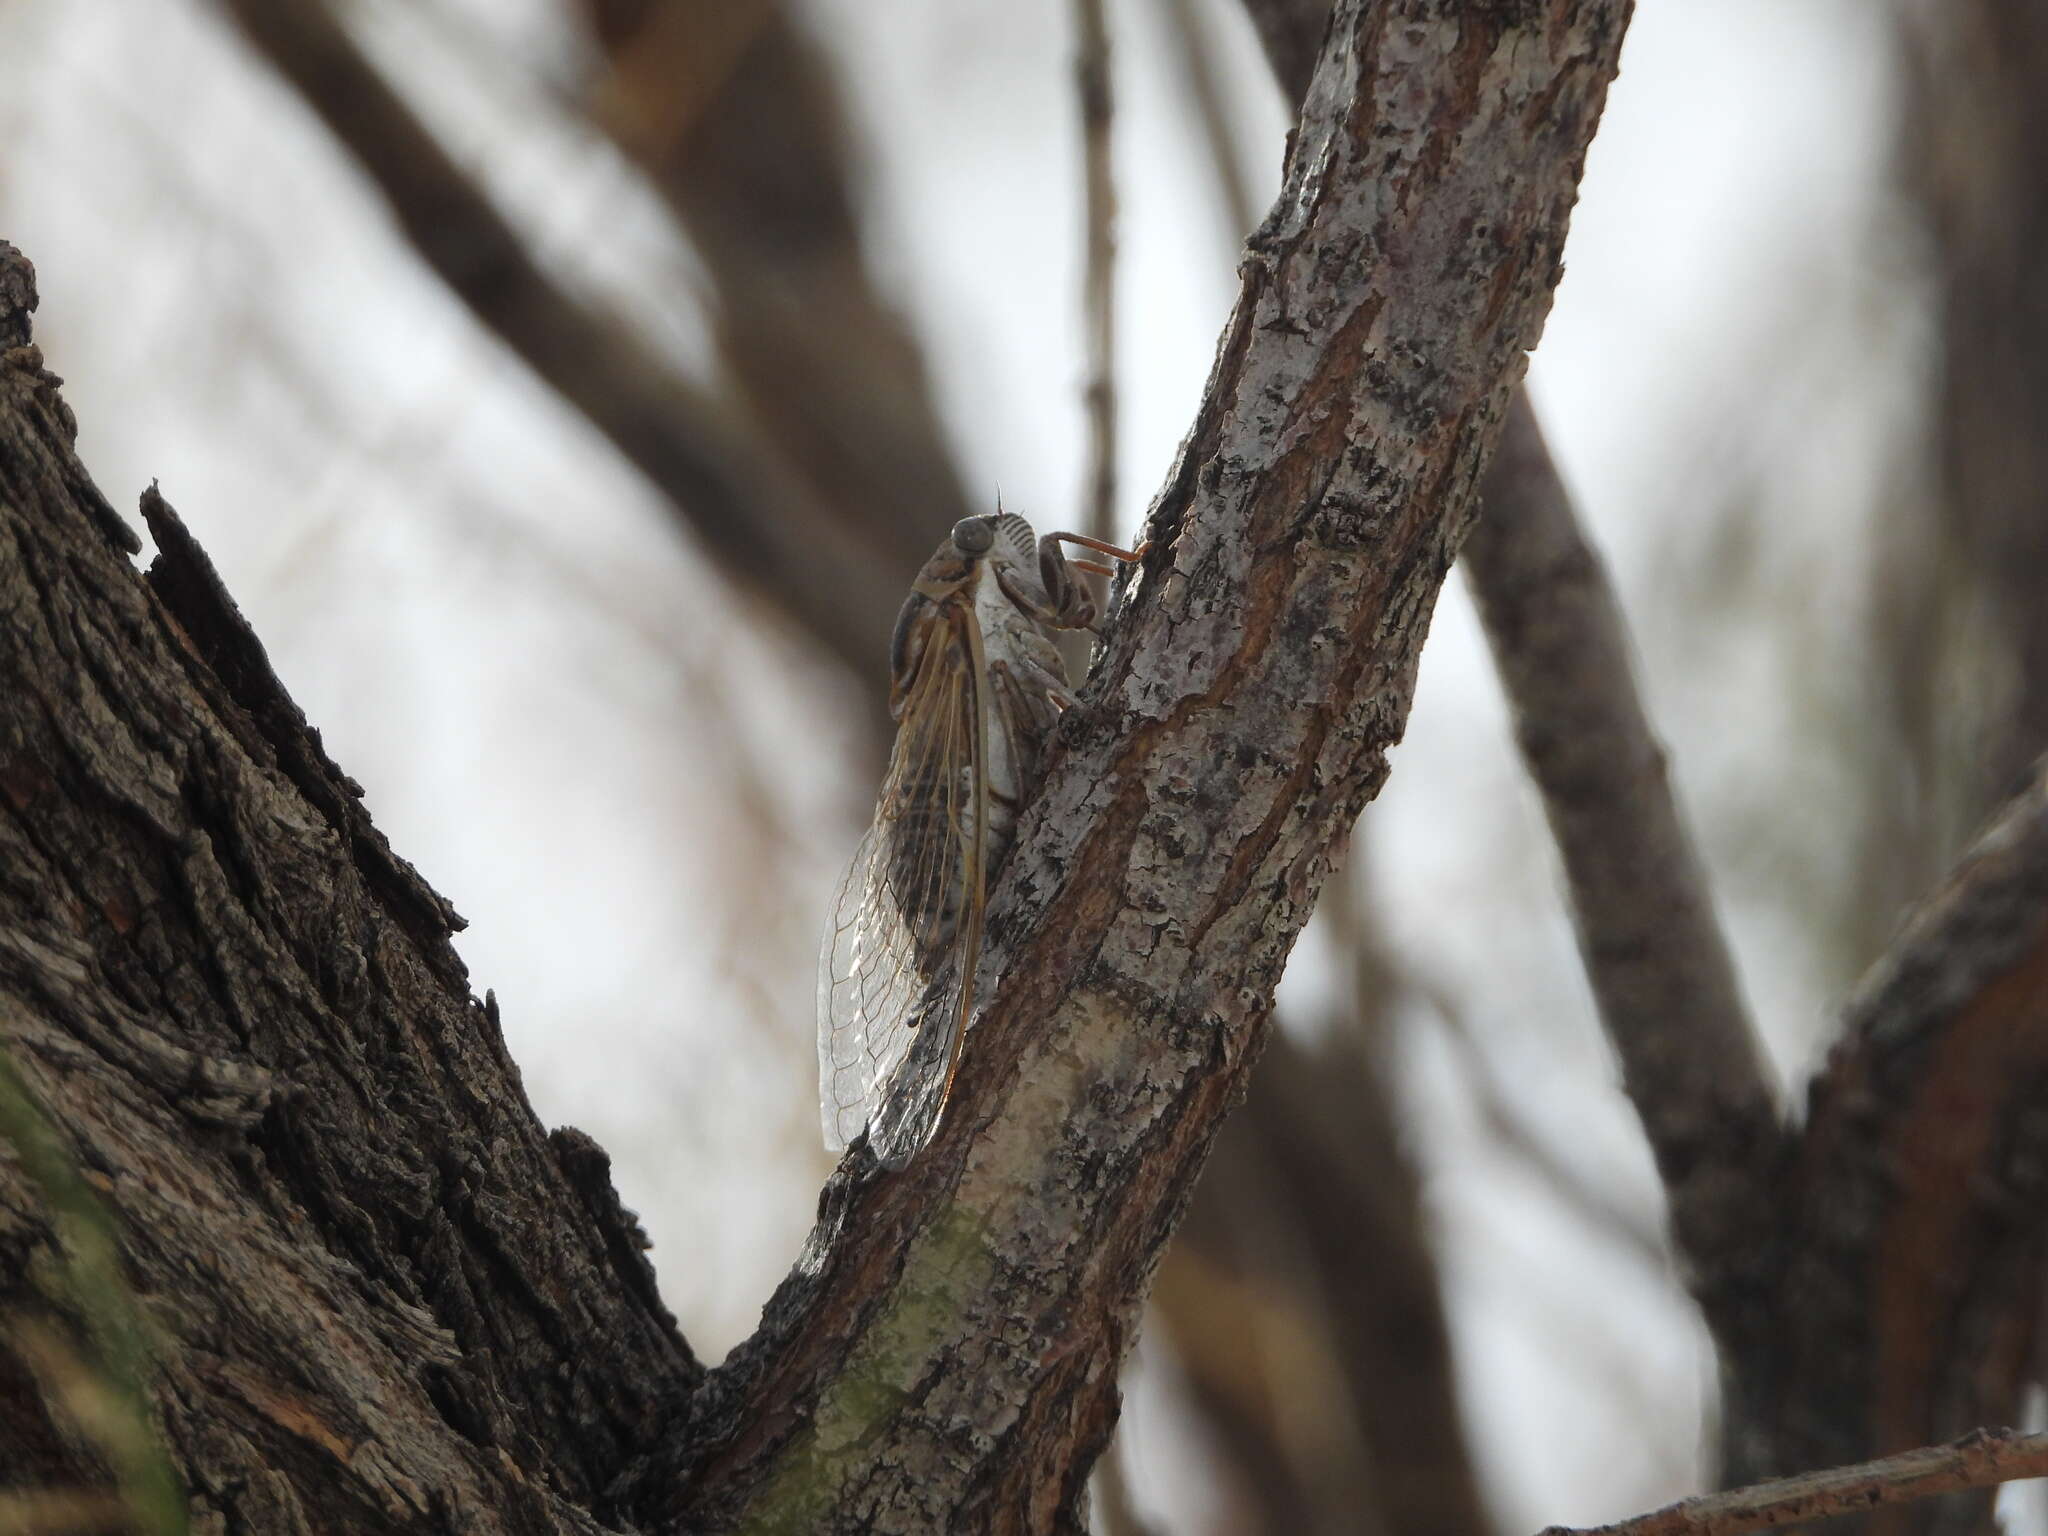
[{"x": 974, "y": 535}]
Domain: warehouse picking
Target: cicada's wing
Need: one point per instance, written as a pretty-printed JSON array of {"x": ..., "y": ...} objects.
[{"x": 895, "y": 971}]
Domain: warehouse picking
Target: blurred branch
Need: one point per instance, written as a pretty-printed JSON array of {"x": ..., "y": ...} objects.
[
  {"x": 1115, "y": 1514},
  {"x": 1983, "y": 1458},
  {"x": 1302, "y": 1295},
  {"x": 1291, "y": 32},
  {"x": 1187, "y": 22},
  {"x": 1659, "y": 967},
  {"x": 733, "y": 114},
  {"x": 1304, "y": 1303},
  {"x": 1092, "y": 89},
  {"x": 1976, "y": 118},
  {"x": 761, "y": 528},
  {"x": 1914, "y": 1223}
]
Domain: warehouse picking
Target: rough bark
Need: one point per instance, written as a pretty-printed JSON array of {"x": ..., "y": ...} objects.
[
  {"x": 384, "y": 1297},
  {"x": 947, "y": 1350}
]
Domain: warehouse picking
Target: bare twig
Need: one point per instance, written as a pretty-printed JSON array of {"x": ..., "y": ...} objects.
[
  {"x": 1098, "y": 294},
  {"x": 760, "y": 526},
  {"x": 1983, "y": 1458}
]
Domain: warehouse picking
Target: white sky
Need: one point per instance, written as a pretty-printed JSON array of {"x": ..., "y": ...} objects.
[{"x": 499, "y": 634}]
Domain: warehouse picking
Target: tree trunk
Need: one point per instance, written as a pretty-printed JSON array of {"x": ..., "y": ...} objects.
[{"x": 382, "y": 1296}]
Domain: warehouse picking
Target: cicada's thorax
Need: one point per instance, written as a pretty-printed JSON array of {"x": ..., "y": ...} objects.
[{"x": 1020, "y": 692}]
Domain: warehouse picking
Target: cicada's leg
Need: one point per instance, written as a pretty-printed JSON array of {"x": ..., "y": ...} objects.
[{"x": 1072, "y": 607}]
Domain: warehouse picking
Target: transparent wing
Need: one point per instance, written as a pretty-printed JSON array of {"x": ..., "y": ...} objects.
[{"x": 896, "y": 967}]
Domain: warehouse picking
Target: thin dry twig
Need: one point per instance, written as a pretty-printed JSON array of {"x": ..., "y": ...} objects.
[
  {"x": 1983, "y": 1458},
  {"x": 1098, "y": 293},
  {"x": 755, "y": 521}
]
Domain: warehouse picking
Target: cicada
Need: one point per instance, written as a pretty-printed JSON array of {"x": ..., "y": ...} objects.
[{"x": 976, "y": 686}]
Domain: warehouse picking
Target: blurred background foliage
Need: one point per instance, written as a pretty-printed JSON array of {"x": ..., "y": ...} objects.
[{"x": 568, "y": 389}]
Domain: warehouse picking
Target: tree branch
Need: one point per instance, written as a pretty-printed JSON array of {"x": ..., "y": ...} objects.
[
  {"x": 762, "y": 528},
  {"x": 732, "y": 113},
  {"x": 1656, "y": 959},
  {"x": 1291, "y": 32},
  {"x": 1911, "y": 1295},
  {"x": 1983, "y": 1458},
  {"x": 946, "y": 1352},
  {"x": 1199, "y": 54},
  {"x": 1660, "y": 969}
]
